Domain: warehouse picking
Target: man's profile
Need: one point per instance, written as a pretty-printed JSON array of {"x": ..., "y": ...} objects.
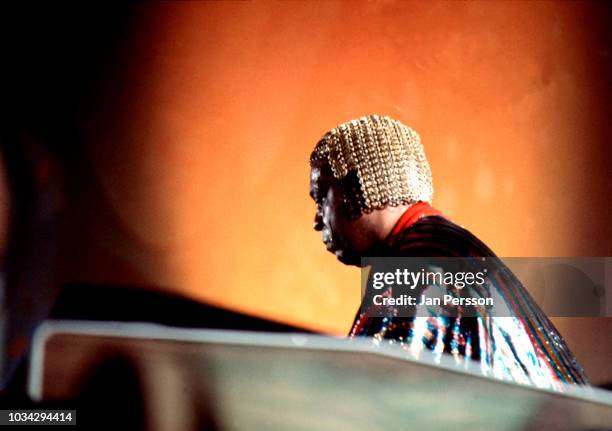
[{"x": 372, "y": 186}]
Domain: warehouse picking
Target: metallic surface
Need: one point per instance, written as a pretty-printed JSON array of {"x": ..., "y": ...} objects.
[
  {"x": 246, "y": 381},
  {"x": 387, "y": 157}
]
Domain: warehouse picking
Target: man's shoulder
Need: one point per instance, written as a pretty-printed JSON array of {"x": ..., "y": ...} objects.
[{"x": 437, "y": 236}]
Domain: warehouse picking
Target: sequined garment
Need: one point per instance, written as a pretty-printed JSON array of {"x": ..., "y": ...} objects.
[{"x": 525, "y": 348}]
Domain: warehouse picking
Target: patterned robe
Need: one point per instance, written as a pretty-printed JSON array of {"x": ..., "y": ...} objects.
[{"x": 524, "y": 347}]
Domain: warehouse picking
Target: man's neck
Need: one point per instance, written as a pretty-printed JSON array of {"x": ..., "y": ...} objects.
[{"x": 380, "y": 223}]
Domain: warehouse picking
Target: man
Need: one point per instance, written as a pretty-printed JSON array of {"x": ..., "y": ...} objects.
[{"x": 372, "y": 186}]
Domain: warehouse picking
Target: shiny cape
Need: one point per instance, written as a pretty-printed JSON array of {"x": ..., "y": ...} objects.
[{"x": 525, "y": 348}]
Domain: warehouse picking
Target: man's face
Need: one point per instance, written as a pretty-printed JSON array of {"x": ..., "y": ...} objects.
[{"x": 330, "y": 218}]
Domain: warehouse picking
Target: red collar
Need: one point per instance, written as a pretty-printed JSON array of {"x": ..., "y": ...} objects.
[{"x": 411, "y": 216}]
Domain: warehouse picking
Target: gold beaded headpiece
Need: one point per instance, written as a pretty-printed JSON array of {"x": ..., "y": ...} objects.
[{"x": 387, "y": 158}]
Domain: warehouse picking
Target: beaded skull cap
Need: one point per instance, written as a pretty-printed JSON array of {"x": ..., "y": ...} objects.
[{"x": 386, "y": 156}]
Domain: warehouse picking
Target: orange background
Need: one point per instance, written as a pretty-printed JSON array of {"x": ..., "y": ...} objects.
[{"x": 201, "y": 138}]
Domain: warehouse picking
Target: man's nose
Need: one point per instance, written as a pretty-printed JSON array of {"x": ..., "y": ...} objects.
[{"x": 318, "y": 221}]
